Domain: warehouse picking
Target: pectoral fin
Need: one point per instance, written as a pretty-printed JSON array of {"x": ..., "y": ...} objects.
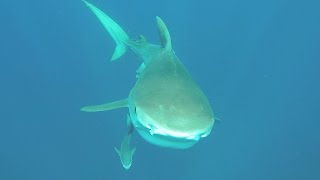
[
  {"x": 117, "y": 151},
  {"x": 133, "y": 150},
  {"x": 108, "y": 106}
]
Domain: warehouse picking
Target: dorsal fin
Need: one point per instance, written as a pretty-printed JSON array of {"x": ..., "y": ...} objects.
[{"x": 164, "y": 34}]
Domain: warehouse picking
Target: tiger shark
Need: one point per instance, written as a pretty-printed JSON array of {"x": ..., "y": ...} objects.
[{"x": 166, "y": 106}]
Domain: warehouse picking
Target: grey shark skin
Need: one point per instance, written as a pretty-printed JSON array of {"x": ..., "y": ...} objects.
[
  {"x": 166, "y": 106},
  {"x": 125, "y": 152}
]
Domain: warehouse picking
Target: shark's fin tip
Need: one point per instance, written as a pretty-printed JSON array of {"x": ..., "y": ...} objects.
[
  {"x": 164, "y": 34},
  {"x": 117, "y": 151},
  {"x": 133, "y": 150},
  {"x": 114, "y": 29}
]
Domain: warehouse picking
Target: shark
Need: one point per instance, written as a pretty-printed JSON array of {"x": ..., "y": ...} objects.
[
  {"x": 125, "y": 152},
  {"x": 166, "y": 106}
]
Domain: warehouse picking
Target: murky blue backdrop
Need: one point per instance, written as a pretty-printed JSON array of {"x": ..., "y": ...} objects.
[{"x": 257, "y": 61}]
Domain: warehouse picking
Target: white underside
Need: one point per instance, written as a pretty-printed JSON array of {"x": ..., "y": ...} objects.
[{"x": 160, "y": 136}]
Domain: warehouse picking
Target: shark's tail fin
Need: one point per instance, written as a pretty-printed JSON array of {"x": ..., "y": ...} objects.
[{"x": 116, "y": 32}]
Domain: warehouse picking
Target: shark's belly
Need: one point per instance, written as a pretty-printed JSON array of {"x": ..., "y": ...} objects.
[{"x": 168, "y": 108}]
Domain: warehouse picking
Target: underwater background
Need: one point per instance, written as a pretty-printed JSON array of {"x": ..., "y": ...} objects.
[{"x": 257, "y": 61}]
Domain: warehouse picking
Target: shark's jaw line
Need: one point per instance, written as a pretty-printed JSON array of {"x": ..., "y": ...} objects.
[
  {"x": 161, "y": 136},
  {"x": 156, "y": 129}
]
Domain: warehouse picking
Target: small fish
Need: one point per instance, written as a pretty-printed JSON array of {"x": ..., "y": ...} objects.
[{"x": 125, "y": 152}]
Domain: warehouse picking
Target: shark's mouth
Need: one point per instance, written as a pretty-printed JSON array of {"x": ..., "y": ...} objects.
[
  {"x": 159, "y": 135},
  {"x": 156, "y": 129}
]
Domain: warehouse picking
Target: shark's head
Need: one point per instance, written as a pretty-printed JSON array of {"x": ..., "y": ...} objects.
[
  {"x": 178, "y": 123},
  {"x": 126, "y": 157}
]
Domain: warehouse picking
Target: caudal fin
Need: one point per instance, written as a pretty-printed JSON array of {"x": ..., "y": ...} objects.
[{"x": 116, "y": 32}]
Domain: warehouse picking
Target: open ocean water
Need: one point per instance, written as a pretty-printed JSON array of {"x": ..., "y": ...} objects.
[{"x": 257, "y": 61}]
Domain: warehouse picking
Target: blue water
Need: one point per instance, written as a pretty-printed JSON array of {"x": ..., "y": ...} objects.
[{"x": 258, "y": 62}]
